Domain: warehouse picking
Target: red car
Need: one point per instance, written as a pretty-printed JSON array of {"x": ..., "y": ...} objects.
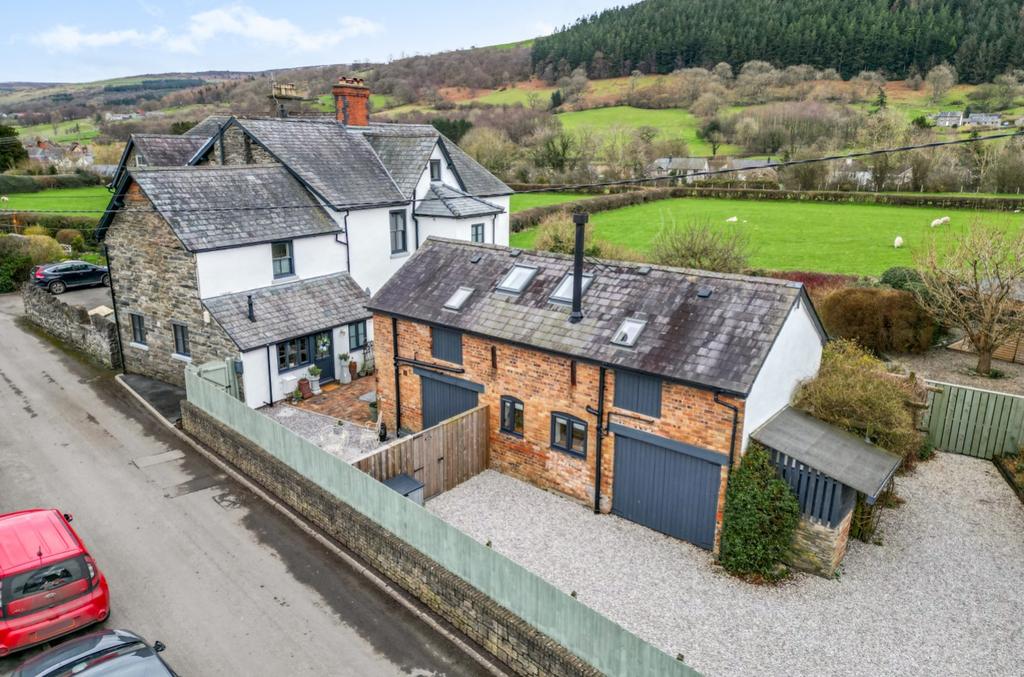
[{"x": 49, "y": 584}]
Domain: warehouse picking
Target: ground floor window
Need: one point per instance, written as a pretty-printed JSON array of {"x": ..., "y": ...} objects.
[
  {"x": 181, "y": 343},
  {"x": 569, "y": 434},
  {"x": 512, "y": 416},
  {"x": 356, "y": 335},
  {"x": 138, "y": 329},
  {"x": 293, "y": 354},
  {"x": 478, "y": 232}
]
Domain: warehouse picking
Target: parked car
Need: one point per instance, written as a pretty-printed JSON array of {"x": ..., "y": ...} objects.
[
  {"x": 49, "y": 583},
  {"x": 59, "y": 277},
  {"x": 106, "y": 653}
]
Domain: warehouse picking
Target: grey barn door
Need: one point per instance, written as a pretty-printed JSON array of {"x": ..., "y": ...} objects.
[
  {"x": 666, "y": 485},
  {"x": 445, "y": 396}
]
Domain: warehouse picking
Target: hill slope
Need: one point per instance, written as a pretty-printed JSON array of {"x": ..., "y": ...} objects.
[{"x": 983, "y": 38}]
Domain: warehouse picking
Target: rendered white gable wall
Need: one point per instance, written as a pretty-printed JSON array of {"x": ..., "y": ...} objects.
[{"x": 795, "y": 357}]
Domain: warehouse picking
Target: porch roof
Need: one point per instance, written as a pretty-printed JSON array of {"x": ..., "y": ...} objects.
[
  {"x": 289, "y": 310},
  {"x": 447, "y": 202},
  {"x": 837, "y": 453}
]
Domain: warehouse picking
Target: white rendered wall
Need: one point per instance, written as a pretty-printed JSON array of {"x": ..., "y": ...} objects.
[{"x": 794, "y": 358}]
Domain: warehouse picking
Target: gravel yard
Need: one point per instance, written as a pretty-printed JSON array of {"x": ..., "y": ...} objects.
[
  {"x": 953, "y": 366},
  {"x": 940, "y": 596},
  {"x": 341, "y": 438}
]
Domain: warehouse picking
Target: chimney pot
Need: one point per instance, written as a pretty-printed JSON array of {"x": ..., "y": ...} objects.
[{"x": 352, "y": 101}]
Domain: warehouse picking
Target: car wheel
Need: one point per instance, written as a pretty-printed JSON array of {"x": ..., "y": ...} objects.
[
  {"x": 57, "y": 287},
  {"x": 105, "y": 280}
]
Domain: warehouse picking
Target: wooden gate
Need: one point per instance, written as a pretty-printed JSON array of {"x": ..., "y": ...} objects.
[
  {"x": 221, "y": 373},
  {"x": 974, "y": 422}
]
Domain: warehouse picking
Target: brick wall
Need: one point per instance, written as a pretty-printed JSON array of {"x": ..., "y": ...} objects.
[
  {"x": 508, "y": 638},
  {"x": 93, "y": 335},
  {"x": 818, "y": 548},
  {"x": 544, "y": 383},
  {"x": 155, "y": 276}
]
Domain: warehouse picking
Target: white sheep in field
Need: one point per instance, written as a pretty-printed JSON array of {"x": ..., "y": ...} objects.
[
  {"x": 898, "y": 242},
  {"x": 940, "y": 222},
  {"x": 732, "y": 219}
]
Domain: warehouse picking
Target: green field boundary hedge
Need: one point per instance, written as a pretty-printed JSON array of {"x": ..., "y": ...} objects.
[
  {"x": 28, "y": 183},
  {"x": 531, "y": 217}
]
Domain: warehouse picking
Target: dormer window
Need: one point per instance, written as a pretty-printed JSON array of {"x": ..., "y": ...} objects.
[
  {"x": 435, "y": 170},
  {"x": 563, "y": 292},
  {"x": 628, "y": 332},
  {"x": 517, "y": 279}
]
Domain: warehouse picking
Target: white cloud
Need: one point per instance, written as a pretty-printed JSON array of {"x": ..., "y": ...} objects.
[{"x": 230, "y": 21}]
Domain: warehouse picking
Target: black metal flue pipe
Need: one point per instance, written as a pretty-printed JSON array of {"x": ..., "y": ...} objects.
[{"x": 580, "y": 220}]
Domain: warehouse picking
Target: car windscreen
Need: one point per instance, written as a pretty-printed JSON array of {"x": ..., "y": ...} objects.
[{"x": 44, "y": 586}]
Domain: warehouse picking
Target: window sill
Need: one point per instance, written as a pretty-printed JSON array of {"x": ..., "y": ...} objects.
[
  {"x": 140, "y": 346},
  {"x": 512, "y": 434},
  {"x": 281, "y": 279},
  {"x": 568, "y": 452},
  {"x": 398, "y": 255},
  {"x": 180, "y": 357}
]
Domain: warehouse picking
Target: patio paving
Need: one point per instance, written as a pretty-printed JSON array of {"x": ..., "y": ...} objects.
[
  {"x": 343, "y": 439},
  {"x": 940, "y": 596},
  {"x": 345, "y": 401}
]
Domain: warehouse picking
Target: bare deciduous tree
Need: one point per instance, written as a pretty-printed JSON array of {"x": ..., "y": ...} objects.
[
  {"x": 940, "y": 80},
  {"x": 972, "y": 282}
]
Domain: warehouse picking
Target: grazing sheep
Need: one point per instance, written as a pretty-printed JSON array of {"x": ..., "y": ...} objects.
[
  {"x": 898, "y": 242},
  {"x": 731, "y": 219},
  {"x": 4, "y": 199},
  {"x": 940, "y": 222}
]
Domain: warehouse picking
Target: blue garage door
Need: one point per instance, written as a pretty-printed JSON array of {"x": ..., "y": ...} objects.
[
  {"x": 666, "y": 485},
  {"x": 445, "y": 396}
]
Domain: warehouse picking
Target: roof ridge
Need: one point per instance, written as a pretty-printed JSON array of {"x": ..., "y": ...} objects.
[{"x": 203, "y": 168}]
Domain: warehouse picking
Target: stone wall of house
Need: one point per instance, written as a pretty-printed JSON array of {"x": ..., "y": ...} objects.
[
  {"x": 93, "y": 335},
  {"x": 155, "y": 276},
  {"x": 520, "y": 647},
  {"x": 818, "y": 548},
  {"x": 544, "y": 383},
  {"x": 239, "y": 149}
]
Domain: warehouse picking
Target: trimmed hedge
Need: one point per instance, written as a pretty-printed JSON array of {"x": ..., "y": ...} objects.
[
  {"x": 878, "y": 318},
  {"x": 761, "y": 515},
  {"x": 13, "y": 183}
]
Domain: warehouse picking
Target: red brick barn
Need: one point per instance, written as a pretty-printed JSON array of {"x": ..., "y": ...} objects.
[{"x": 638, "y": 407}]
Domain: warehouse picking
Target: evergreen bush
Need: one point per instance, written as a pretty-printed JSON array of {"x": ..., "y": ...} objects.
[{"x": 879, "y": 319}]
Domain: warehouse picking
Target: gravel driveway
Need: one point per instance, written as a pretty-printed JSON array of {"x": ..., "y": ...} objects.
[{"x": 941, "y": 596}]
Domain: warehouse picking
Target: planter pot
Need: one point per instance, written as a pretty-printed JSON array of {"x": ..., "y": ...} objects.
[
  {"x": 373, "y": 411},
  {"x": 344, "y": 376},
  {"x": 352, "y": 369},
  {"x": 314, "y": 384}
]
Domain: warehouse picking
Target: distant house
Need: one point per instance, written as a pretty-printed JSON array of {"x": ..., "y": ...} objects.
[
  {"x": 747, "y": 169},
  {"x": 683, "y": 167},
  {"x": 45, "y": 152},
  {"x": 949, "y": 118},
  {"x": 983, "y": 120}
]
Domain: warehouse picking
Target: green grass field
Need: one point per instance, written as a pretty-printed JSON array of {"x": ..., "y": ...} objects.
[
  {"x": 65, "y": 131},
  {"x": 670, "y": 123},
  {"x": 824, "y": 237},
  {"x": 90, "y": 198},
  {"x": 529, "y": 200}
]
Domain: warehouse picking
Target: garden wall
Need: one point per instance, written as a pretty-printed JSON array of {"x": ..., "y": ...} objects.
[{"x": 93, "y": 335}]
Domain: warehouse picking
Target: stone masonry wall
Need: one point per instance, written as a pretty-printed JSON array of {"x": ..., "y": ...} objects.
[
  {"x": 93, "y": 335},
  {"x": 508, "y": 638},
  {"x": 155, "y": 276},
  {"x": 543, "y": 382},
  {"x": 818, "y": 548}
]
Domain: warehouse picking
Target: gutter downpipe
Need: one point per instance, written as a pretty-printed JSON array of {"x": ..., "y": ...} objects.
[
  {"x": 415, "y": 220},
  {"x": 732, "y": 438},
  {"x": 398, "y": 389},
  {"x": 599, "y": 413},
  {"x": 113, "y": 302},
  {"x": 348, "y": 247},
  {"x": 270, "y": 380}
]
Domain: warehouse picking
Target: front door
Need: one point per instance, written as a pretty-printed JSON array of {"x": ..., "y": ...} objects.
[
  {"x": 323, "y": 354},
  {"x": 445, "y": 396}
]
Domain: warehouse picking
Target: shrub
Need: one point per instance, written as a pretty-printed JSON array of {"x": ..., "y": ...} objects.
[
  {"x": 701, "y": 246},
  {"x": 71, "y": 237},
  {"x": 903, "y": 278},
  {"x": 761, "y": 514},
  {"x": 14, "y": 270},
  {"x": 879, "y": 319},
  {"x": 43, "y": 249},
  {"x": 36, "y": 230},
  {"x": 557, "y": 233},
  {"x": 818, "y": 285}
]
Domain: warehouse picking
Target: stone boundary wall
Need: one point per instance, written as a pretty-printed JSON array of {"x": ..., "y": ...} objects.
[
  {"x": 531, "y": 217},
  {"x": 508, "y": 638},
  {"x": 818, "y": 548},
  {"x": 93, "y": 335}
]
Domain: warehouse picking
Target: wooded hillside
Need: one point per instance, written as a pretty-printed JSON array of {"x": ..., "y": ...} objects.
[{"x": 982, "y": 38}]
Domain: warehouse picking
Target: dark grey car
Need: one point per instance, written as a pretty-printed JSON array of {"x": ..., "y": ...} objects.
[
  {"x": 59, "y": 277},
  {"x": 105, "y": 653}
]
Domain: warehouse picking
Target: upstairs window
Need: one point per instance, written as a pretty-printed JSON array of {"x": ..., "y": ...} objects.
[
  {"x": 181, "y": 342},
  {"x": 435, "y": 170},
  {"x": 138, "y": 329},
  {"x": 512, "y": 416},
  {"x": 517, "y": 279},
  {"x": 283, "y": 260},
  {"x": 477, "y": 232},
  {"x": 569, "y": 434},
  {"x": 446, "y": 344},
  {"x": 399, "y": 243},
  {"x": 563, "y": 292},
  {"x": 638, "y": 392}
]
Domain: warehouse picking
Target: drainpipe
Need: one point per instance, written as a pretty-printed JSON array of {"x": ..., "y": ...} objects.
[
  {"x": 113, "y": 302},
  {"x": 494, "y": 229},
  {"x": 732, "y": 438},
  {"x": 415, "y": 220},
  {"x": 348, "y": 247},
  {"x": 270, "y": 380},
  {"x": 599, "y": 413},
  {"x": 398, "y": 390}
]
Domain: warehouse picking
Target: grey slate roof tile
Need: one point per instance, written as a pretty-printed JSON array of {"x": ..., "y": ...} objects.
[
  {"x": 445, "y": 201},
  {"x": 208, "y": 126},
  {"x": 212, "y": 207},
  {"x": 717, "y": 342},
  {"x": 166, "y": 150},
  {"x": 404, "y": 155},
  {"x": 289, "y": 310}
]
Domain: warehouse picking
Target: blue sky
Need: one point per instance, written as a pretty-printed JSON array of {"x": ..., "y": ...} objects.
[{"x": 78, "y": 41}]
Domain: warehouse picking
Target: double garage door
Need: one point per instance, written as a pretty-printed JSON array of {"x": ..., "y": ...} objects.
[
  {"x": 445, "y": 396},
  {"x": 666, "y": 485}
]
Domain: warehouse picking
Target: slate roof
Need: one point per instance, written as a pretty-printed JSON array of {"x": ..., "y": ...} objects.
[
  {"x": 167, "y": 150},
  {"x": 405, "y": 156},
  {"x": 747, "y": 163},
  {"x": 212, "y": 207},
  {"x": 285, "y": 311},
  {"x": 718, "y": 342},
  {"x": 445, "y": 201},
  {"x": 837, "y": 453},
  {"x": 208, "y": 126},
  {"x": 475, "y": 178},
  {"x": 680, "y": 164}
]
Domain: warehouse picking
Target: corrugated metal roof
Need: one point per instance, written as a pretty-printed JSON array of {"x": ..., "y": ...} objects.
[{"x": 828, "y": 449}]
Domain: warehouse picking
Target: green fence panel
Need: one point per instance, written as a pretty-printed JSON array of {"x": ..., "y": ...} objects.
[
  {"x": 973, "y": 421},
  {"x": 586, "y": 633}
]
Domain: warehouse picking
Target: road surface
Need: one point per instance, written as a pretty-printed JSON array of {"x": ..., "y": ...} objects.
[{"x": 192, "y": 558}]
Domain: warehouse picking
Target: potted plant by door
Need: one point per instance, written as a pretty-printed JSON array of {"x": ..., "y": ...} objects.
[
  {"x": 314, "y": 378},
  {"x": 352, "y": 369},
  {"x": 344, "y": 375}
]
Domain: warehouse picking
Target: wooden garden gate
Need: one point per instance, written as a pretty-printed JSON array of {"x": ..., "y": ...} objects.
[{"x": 974, "y": 422}]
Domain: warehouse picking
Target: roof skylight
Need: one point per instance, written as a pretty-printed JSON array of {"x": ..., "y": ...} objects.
[
  {"x": 517, "y": 279},
  {"x": 628, "y": 332},
  {"x": 459, "y": 298},
  {"x": 563, "y": 292}
]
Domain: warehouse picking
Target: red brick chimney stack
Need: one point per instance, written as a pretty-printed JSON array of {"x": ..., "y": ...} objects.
[{"x": 352, "y": 102}]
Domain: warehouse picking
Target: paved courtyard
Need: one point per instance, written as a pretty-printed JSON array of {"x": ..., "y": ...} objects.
[
  {"x": 343, "y": 439},
  {"x": 940, "y": 596}
]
